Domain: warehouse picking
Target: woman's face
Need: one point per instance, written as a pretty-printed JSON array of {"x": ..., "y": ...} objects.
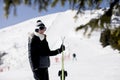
[{"x": 42, "y": 31}]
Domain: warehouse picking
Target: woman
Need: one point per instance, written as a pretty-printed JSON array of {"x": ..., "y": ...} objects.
[{"x": 39, "y": 53}]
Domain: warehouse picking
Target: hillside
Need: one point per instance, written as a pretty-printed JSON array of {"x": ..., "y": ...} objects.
[{"x": 93, "y": 61}]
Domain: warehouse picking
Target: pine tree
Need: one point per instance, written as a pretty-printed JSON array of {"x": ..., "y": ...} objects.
[{"x": 80, "y": 6}]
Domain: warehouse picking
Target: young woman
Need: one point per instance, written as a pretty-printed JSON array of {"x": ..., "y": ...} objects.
[{"x": 39, "y": 53}]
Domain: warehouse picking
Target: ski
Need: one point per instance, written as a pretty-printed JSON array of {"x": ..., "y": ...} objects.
[{"x": 63, "y": 60}]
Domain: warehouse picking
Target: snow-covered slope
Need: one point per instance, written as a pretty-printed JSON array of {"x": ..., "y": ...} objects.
[{"x": 93, "y": 62}]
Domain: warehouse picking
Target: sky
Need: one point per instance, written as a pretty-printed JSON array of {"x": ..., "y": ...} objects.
[{"x": 24, "y": 13}]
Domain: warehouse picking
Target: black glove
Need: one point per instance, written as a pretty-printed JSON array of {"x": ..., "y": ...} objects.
[{"x": 62, "y": 48}]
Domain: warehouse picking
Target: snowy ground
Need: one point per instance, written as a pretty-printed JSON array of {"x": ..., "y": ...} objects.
[{"x": 93, "y": 62}]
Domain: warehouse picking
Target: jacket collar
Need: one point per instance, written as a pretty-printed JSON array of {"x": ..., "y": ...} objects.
[{"x": 41, "y": 36}]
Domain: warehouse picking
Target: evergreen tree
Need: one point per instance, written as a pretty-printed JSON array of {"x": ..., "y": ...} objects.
[{"x": 103, "y": 22}]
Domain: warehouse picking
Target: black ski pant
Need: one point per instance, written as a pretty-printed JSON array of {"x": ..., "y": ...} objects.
[{"x": 41, "y": 74}]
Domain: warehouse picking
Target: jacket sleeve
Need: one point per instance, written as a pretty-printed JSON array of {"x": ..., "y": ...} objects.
[
  {"x": 42, "y": 49},
  {"x": 51, "y": 52},
  {"x": 54, "y": 52},
  {"x": 47, "y": 51}
]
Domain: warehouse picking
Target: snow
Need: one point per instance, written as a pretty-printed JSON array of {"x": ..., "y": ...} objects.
[{"x": 93, "y": 61}]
